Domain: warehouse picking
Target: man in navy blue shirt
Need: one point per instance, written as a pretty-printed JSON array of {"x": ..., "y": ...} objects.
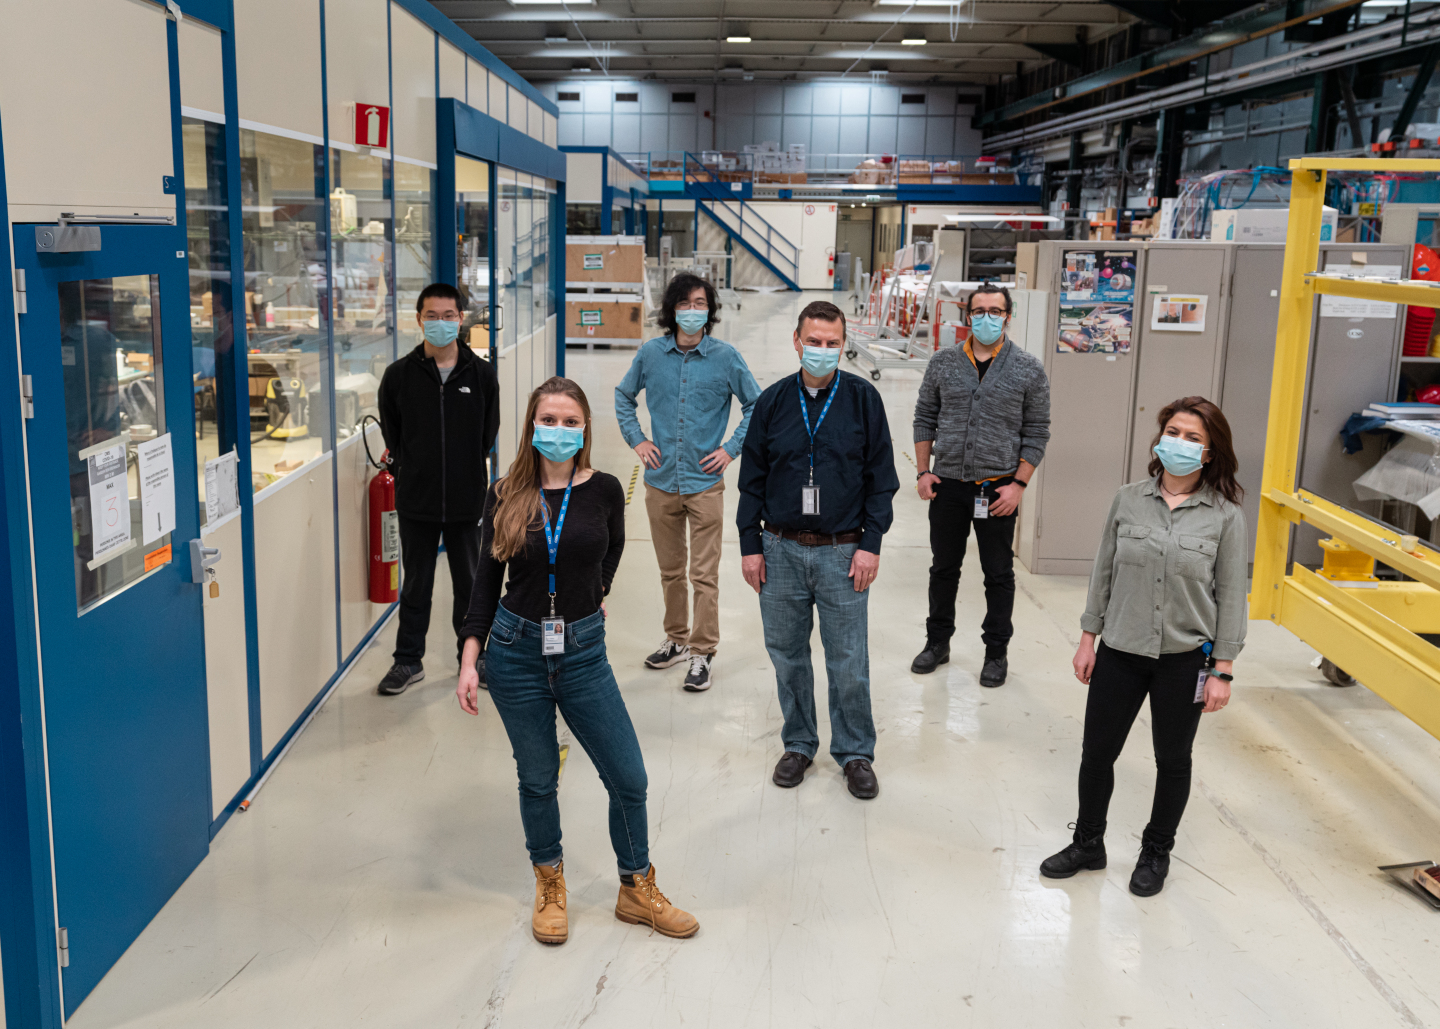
[{"x": 817, "y": 475}]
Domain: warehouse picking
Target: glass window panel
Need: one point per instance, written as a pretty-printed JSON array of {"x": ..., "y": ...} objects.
[
  {"x": 287, "y": 306},
  {"x": 582, "y": 219},
  {"x": 524, "y": 257},
  {"x": 472, "y": 216},
  {"x": 361, "y": 261},
  {"x": 207, "y": 227},
  {"x": 110, "y": 358},
  {"x": 414, "y": 233}
]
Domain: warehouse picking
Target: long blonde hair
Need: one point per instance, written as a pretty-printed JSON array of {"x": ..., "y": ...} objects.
[{"x": 518, "y": 508}]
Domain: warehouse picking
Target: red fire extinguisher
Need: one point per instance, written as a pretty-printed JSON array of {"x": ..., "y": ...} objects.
[{"x": 384, "y": 528}]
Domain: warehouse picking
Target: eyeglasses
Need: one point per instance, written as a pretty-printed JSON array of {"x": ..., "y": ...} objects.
[{"x": 997, "y": 311}]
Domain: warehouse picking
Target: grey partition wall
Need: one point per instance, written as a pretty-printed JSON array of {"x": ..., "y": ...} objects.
[
  {"x": 1092, "y": 372},
  {"x": 1180, "y": 325}
]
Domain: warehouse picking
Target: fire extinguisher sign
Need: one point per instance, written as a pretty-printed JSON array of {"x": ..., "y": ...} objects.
[{"x": 372, "y": 125}]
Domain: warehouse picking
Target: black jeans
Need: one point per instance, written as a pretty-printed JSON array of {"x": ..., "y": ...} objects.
[
  {"x": 951, "y": 515},
  {"x": 1118, "y": 687},
  {"x": 419, "y": 545}
]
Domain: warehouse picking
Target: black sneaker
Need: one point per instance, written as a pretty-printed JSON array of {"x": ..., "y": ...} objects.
[
  {"x": 697, "y": 680},
  {"x": 399, "y": 678},
  {"x": 480, "y": 667},
  {"x": 670, "y": 653}
]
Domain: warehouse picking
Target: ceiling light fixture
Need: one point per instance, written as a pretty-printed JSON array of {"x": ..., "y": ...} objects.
[
  {"x": 557, "y": 39},
  {"x": 581, "y": 69},
  {"x": 913, "y": 42},
  {"x": 552, "y": 3},
  {"x": 737, "y": 39}
]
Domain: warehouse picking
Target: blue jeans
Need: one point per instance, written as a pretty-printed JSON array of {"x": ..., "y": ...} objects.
[
  {"x": 797, "y": 580},
  {"x": 527, "y": 688}
]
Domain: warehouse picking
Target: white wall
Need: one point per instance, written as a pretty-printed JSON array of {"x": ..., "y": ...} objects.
[{"x": 828, "y": 117}]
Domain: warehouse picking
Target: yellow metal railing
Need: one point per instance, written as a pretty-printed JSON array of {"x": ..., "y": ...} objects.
[{"x": 1371, "y": 633}]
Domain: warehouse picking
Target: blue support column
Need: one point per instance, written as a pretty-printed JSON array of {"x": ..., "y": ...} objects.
[
  {"x": 446, "y": 230},
  {"x": 557, "y": 273}
]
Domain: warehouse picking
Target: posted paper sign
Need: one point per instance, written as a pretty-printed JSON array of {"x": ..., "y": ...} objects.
[
  {"x": 1349, "y": 307},
  {"x": 594, "y": 262},
  {"x": 1176, "y": 312},
  {"x": 109, "y": 503},
  {"x": 157, "y": 488},
  {"x": 222, "y": 493}
]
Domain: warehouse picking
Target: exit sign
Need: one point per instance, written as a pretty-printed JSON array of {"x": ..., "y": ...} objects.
[{"x": 372, "y": 126}]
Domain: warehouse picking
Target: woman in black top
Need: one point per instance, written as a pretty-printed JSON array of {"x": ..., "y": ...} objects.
[{"x": 559, "y": 527}]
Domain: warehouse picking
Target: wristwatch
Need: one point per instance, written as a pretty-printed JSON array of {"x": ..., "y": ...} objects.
[
  {"x": 1222, "y": 675},
  {"x": 924, "y": 472}
]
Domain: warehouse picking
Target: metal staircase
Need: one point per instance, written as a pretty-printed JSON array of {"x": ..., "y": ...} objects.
[{"x": 742, "y": 223}]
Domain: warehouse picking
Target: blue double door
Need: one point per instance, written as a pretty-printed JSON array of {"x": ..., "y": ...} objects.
[{"x": 106, "y": 346}]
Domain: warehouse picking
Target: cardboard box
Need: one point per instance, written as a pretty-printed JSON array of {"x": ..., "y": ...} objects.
[
  {"x": 1026, "y": 254},
  {"x": 1263, "y": 225},
  {"x": 605, "y": 259},
  {"x": 602, "y": 317}
]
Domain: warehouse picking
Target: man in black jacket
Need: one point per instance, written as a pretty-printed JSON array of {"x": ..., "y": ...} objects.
[{"x": 440, "y": 414}]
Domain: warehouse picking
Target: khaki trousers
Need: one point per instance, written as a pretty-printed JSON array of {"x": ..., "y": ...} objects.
[{"x": 705, "y": 514}]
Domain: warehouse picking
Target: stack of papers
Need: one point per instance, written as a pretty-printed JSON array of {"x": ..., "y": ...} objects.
[{"x": 1416, "y": 411}]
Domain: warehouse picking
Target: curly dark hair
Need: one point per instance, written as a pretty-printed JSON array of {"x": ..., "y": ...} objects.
[
  {"x": 1219, "y": 471},
  {"x": 989, "y": 287},
  {"x": 678, "y": 291}
]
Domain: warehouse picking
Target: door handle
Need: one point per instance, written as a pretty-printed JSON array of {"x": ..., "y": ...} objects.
[{"x": 202, "y": 558}]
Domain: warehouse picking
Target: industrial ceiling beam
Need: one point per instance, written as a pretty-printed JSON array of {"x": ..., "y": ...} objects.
[{"x": 1275, "y": 17}]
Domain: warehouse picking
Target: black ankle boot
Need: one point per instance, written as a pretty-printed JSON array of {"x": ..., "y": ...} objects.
[
  {"x": 1085, "y": 854},
  {"x": 934, "y": 655},
  {"x": 996, "y": 667},
  {"x": 1151, "y": 868}
]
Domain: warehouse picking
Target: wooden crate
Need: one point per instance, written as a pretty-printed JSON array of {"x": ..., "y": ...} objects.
[
  {"x": 602, "y": 316},
  {"x": 608, "y": 259}
]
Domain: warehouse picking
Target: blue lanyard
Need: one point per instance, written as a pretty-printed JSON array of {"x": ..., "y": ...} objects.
[
  {"x": 805, "y": 416},
  {"x": 552, "y": 542}
]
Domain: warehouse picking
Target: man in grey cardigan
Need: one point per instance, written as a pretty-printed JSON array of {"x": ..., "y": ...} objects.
[{"x": 984, "y": 416}]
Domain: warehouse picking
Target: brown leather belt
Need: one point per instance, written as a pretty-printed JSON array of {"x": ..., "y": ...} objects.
[{"x": 815, "y": 539}]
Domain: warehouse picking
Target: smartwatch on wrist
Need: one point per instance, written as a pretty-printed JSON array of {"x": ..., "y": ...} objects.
[{"x": 1222, "y": 675}]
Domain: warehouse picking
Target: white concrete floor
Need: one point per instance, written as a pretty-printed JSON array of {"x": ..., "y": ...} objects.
[{"x": 381, "y": 877}]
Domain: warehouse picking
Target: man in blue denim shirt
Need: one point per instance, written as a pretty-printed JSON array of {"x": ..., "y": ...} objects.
[{"x": 688, "y": 378}]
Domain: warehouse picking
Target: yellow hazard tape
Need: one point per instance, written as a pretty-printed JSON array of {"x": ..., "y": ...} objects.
[
  {"x": 564, "y": 753},
  {"x": 630, "y": 490}
]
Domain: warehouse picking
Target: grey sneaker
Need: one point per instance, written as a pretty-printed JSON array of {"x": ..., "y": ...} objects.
[
  {"x": 399, "y": 679},
  {"x": 697, "y": 680},
  {"x": 670, "y": 653}
]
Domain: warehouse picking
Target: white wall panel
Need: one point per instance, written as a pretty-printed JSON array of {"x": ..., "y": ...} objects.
[
  {"x": 654, "y": 97},
  {"x": 682, "y": 133},
  {"x": 854, "y": 134},
  {"x": 497, "y": 95},
  {"x": 357, "y": 64},
  {"x": 769, "y": 99},
  {"x": 596, "y": 96},
  {"x": 85, "y": 91},
  {"x": 477, "y": 85},
  {"x": 825, "y": 134},
  {"x": 515, "y": 108},
  {"x": 452, "y": 68},
  {"x": 276, "y": 46},
  {"x": 882, "y": 135},
  {"x": 626, "y": 134},
  {"x": 940, "y": 100},
  {"x": 357, "y": 614},
  {"x": 910, "y": 135},
  {"x": 798, "y": 99},
  {"x": 767, "y": 128},
  {"x": 201, "y": 83},
  {"x": 550, "y": 126},
  {"x": 534, "y": 125},
  {"x": 413, "y": 54},
  {"x": 294, "y": 597},
  {"x": 571, "y": 132},
  {"x": 796, "y": 130},
  {"x": 885, "y": 101},
  {"x": 597, "y": 129},
  {"x": 654, "y": 132},
  {"x": 582, "y": 178},
  {"x": 227, "y": 686},
  {"x": 939, "y": 135},
  {"x": 855, "y": 100}
]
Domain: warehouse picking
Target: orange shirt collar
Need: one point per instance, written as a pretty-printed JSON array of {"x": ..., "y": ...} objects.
[{"x": 971, "y": 354}]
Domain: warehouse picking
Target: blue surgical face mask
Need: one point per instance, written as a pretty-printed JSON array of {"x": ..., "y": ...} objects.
[
  {"x": 440, "y": 333},
  {"x": 987, "y": 328},
  {"x": 691, "y": 322},
  {"x": 820, "y": 361},
  {"x": 1180, "y": 456},
  {"x": 558, "y": 442}
]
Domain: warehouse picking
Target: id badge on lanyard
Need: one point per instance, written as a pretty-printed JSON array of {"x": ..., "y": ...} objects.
[
  {"x": 982, "y": 505},
  {"x": 552, "y": 629},
  {"x": 810, "y": 493},
  {"x": 552, "y": 636}
]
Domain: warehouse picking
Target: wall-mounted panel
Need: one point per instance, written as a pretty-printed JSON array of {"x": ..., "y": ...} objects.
[
  {"x": 854, "y": 134},
  {"x": 497, "y": 89},
  {"x": 477, "y": 85},
  {"x": 57, "y": 122},
  {"x": 551, "y": 125},
  {"x": 626, "y": 133},
  {"x": 825, "y": 134},
  {"x": 276, "y": 70},
  {"x": 452, "y": 71},
  {"x": 910, "y": 135},
  {"x": 939, "y": 135},
  {"x": 534, "y": 126},
  {"x": 855, "y": 100},
  {"x": 571, "y": 132},
  {"x": 201, "y": 84},
  {"x": 826, "y": 99},
  {"x": 798, "y": 99},
  {"x": 515, "y": 108},
  {"x": 294, "y": 596},
  {"x": 582, "y": 178},
  {"x": 412, "y": 46},
  {"x": 882, "y": 135},
  {"x": 654, "y": 132},
  {"x": 767, "y": 128},
  {"x": 683, "y": 134},
  {"x": 227, "y": 686},
  {"x": 768, "y": 98},
  {"x": 357, "y": 62}
]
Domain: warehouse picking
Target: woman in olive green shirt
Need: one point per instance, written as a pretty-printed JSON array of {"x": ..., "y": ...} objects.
[{"x": 1168, "y": 586}]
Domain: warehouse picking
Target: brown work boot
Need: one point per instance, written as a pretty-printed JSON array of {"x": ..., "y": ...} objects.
[
  {"x": 549, "y": 922},
  {"x": 644, "y": 904}
]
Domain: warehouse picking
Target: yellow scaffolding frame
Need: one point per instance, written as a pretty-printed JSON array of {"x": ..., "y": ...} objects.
[{"x": 1371, "y": 633}]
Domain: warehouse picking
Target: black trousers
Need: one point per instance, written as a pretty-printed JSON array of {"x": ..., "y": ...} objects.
[
  {"x": 419, "y": 546},
  {"x": 1118, "y": 686},
  {"x": 951, "y": 514}
]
